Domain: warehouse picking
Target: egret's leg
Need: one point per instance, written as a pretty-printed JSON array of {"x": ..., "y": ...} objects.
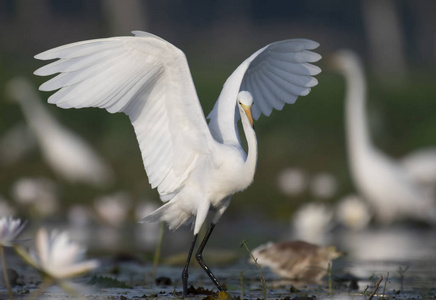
[
  {"x": 185, "y": 274},
  {"x": 199, "y": 257}
]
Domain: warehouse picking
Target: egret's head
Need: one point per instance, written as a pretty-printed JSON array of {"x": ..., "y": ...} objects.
[
  {"x": 245, "y": 101},
  {"x": 344, "y": 60}
]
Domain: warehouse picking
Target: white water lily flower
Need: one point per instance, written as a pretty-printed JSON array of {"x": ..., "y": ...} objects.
[
  {"x": 10, "y": 229},
  {"x": 57, "y": 257}
]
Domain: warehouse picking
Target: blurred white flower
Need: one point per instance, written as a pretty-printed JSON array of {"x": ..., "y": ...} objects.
[
  {"x": 323, "y": 185},
  {"x": 57, "y": 257},
  {"x": 113, "y": 209},
  {"x": 292, "y": 181},
  {"x": 312, "y": 223},
  {"x": 353, "y": 212},
  {"x": 10, "y": 229}
]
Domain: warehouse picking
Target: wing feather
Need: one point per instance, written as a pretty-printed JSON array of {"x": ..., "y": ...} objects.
[
  {"x": 77, "y": 63},
  {"x": 276, "y": 74},
  {"x": 256, "y": 85},
  {"x": 79, "y": 49},
  {"x": 268, "y": 93},
  {"x": 149, "y": 80}
]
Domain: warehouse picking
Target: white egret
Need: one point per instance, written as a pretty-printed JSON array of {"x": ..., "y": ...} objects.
[
  {"x": 383, "y": 181},
  {"x": 194, "y": 168},
  {"x": 65, "y": 152}
]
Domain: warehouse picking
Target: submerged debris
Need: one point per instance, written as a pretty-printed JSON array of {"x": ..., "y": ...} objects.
[
  {"x": 163, "y": 280},
  {"x": 107, "y": 282}
]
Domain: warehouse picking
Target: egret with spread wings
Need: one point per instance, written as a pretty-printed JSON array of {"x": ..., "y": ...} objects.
[{"x": 195, "y": 166}]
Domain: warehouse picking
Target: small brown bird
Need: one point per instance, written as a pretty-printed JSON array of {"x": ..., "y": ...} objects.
[{"x": 296, "y": 260}]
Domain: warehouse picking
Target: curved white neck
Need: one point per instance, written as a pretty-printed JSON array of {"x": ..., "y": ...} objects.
[
  {"x": 251, "y": 160},
  {"x": 358, "y": 138}
]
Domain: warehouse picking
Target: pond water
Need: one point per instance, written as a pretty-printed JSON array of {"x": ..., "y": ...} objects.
[{"x": 401, "y": 259}]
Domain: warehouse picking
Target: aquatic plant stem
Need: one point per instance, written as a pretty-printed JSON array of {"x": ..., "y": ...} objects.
[
  {"x": 262, "y": 278},
  {"x": 376, "y": 287},
  {"x": 158, "y": 250},
  {"x": 329, "y": 272},
  {"x": 47, "y": 281},
  {"x": 401, "y": 273},
  {"x": 384, "y": 287},
  {"x": 242, "y": 285},
  {"x": 5, "y": 272}
]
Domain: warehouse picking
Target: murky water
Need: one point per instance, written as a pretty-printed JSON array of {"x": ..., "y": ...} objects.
[{"x": 401, "y": 260}]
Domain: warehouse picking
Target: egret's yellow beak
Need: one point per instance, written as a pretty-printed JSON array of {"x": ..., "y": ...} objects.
[{"x": 247, "y": 110}]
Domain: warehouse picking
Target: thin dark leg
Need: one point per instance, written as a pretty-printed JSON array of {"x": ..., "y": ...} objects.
[
  {"x": 185, "y": 274},
  {"x": 199, "y": 257}
]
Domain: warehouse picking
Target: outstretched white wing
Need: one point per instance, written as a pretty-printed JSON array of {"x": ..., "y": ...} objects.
[
  {"x": 149, "y": 80},
  {"x": 275, "y": 75}
]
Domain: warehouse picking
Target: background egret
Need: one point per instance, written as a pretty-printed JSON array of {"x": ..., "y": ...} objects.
[
  {"x": 65, "y": 152},
  {"x": 194, "y": 168},
  {"x": 384, "y": 182}
]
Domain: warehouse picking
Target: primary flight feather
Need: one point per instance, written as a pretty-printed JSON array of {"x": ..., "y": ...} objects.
[{"x": 196, "y": 167}]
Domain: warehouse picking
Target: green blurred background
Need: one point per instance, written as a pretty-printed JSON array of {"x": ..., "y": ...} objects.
[{"x": 216, "y": 36}]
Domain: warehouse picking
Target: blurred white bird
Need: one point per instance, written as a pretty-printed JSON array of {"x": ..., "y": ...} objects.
[
  {"x": 194, "y": 168},
  {"x": 63, "y": 150},
  {"x": 385, "y": 183}
]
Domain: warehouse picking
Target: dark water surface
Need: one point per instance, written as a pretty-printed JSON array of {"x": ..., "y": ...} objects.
[{"x": 402, "y": 258}]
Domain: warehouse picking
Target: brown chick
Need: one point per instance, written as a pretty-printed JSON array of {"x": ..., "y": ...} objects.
[{"x": 296, "y": 260}]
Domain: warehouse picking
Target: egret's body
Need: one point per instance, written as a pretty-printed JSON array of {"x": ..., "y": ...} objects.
[
  {"x": 195, "y": 168},
  {"x": 384, "y": 182}
]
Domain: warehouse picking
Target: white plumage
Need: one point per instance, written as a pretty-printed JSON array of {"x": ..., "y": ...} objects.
[
  {"x": 193, "y": 167},
  {"x": 385, "y": 183}
]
